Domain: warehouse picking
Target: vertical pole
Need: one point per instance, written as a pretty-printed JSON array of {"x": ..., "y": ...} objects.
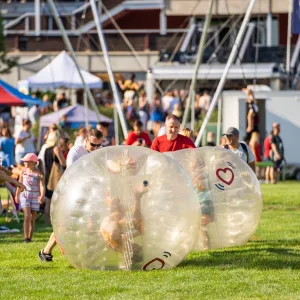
[
  {"x": 37, "y": 17},
  {"x": 163, "y": 22},
  {"x": 226, "y": 70},
  {"x": 193, "y": 111},
  {"x": 116, "y": 126},
  {"x": 198, "y": 62},
  {"x": 269, "y": 24},
  {"x": 71, "y": 50},
  {"x": 269, "y": 29},
  {"x": 289, "y": 35},
  {"x": 150, "y": 86},
  {"x": 108, "y": 67},
  {"x": 219, "y": 121},
  {"x": 85, "y": 101}
]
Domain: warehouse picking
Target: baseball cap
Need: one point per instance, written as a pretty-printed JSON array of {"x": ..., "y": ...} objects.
[
  {"x": 30, "y": 157},
  {"x": 231, "y": 131},
  {"x": 275, "y": 124}
]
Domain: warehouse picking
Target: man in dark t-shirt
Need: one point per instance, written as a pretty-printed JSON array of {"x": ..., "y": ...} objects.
[
  {"x": 172, "y": 141},
  {"x": 276, "y": 153}
]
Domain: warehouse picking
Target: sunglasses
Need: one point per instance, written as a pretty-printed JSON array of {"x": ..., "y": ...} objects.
[{"x": 95, "y": 145}]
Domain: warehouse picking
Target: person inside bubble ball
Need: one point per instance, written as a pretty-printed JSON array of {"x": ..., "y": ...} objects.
[
  {"x": 201, "y": 185},
  {"x": 114, "y": 227},
  {"x": 124, "y": 164}
]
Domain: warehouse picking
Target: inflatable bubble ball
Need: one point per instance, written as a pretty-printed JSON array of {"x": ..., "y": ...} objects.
[
  {"x": 127, "y": 208},
  {"x": 229, "y": 195}
]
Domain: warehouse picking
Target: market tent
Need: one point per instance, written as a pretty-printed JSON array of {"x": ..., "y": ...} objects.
[
  {"x": 10, "y": 96},
  {"x": 75, "y": 117},
  {"x": 62, "y": 73}
]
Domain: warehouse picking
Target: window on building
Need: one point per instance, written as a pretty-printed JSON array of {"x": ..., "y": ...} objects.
[
  {"x": 22, "y": 43},
  {"x": 51, "y": 24},
  {"x": 259, "y": 36}
]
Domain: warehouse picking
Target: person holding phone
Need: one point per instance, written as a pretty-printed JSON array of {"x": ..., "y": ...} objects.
[{"x": 138, "y": 137}]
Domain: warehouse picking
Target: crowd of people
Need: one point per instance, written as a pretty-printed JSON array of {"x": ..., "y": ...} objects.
[
  {"x": 269, "y": 157},
  {"x": 155, "y": 125}
]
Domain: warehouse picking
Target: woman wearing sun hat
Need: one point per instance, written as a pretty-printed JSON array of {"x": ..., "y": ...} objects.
[{"x": 30, "y": 199}]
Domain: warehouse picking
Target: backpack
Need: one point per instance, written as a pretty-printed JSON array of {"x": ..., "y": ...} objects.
[{"x": 245, "y": 149}]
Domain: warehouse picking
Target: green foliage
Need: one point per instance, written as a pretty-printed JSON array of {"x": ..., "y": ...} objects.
[
  {"x": 51, "y": 95},
  {"x": 106, "y": 111},
  {"x": 6, "y": 64},
  {"x": 213, "y": 119},
  {"x": 109, "y": 112},
  {"x": 267, "y": 267}
]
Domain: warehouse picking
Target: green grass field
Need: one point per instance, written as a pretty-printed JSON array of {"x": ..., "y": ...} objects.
[{"x": 267, "y": 267}]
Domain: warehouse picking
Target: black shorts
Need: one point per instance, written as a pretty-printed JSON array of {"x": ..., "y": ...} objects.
[{"x": 278, "y": 164}]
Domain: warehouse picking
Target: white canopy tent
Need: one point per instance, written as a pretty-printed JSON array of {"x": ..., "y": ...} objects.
[{"x": 62, "y": 73}]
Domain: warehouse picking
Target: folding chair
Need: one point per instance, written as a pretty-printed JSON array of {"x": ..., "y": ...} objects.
[
  {"x": 41, "y": 212},
  {"x": 14, "y": 210}
]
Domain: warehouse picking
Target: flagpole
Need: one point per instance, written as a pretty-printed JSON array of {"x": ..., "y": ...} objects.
[{"x": 226, "y": 70}]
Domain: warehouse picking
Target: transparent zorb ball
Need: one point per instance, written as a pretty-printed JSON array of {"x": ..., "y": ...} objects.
[
  {"x": 125, "y": 207},
  {"x": 229, "y": 195}
]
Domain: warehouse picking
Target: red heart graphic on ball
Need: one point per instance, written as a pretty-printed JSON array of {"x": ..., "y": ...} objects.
[
  {"x": 154, "y": 264},
  {"x": 224, "y": 171}
]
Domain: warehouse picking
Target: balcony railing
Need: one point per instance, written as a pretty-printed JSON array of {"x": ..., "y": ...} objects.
[{"x": 71, "y": 13}]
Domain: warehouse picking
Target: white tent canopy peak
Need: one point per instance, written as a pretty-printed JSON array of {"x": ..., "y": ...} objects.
[{"x": 62, "y": 73}]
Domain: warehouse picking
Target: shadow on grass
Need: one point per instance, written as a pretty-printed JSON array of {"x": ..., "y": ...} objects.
[{"x": 263, "y": 255}]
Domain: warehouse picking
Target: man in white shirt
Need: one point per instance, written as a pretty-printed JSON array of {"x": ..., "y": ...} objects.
[
  {"x": 80, "y": 140},
  {"x": 92, "y": 142},
  {"x": 239, "y": 148},
  {"x": 166, "y": 100},
  {"x": 204, "y": 102},
  {"x": 24, "y": 141}
]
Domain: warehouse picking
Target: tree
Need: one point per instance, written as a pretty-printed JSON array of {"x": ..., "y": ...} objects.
[{"x": 5, "y": 63}]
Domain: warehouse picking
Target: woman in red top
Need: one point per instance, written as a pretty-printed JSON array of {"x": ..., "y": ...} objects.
[
  {"x": 138, "y": 137},
  {"x": 267, "y": 148}
]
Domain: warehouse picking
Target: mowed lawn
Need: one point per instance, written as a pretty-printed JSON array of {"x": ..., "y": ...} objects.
[{"x": 267, "y": 267}]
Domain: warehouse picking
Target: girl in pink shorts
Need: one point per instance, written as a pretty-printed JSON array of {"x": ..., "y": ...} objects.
[{"x": 31, "y": 198}]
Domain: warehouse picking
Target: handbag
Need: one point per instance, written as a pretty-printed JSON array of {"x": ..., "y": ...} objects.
[{"x": 55, "y": 175}]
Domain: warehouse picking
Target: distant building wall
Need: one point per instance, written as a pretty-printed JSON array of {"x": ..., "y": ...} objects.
[
  {"x": 195, "y": 7},
  {"x": 122, "y": 62}
]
